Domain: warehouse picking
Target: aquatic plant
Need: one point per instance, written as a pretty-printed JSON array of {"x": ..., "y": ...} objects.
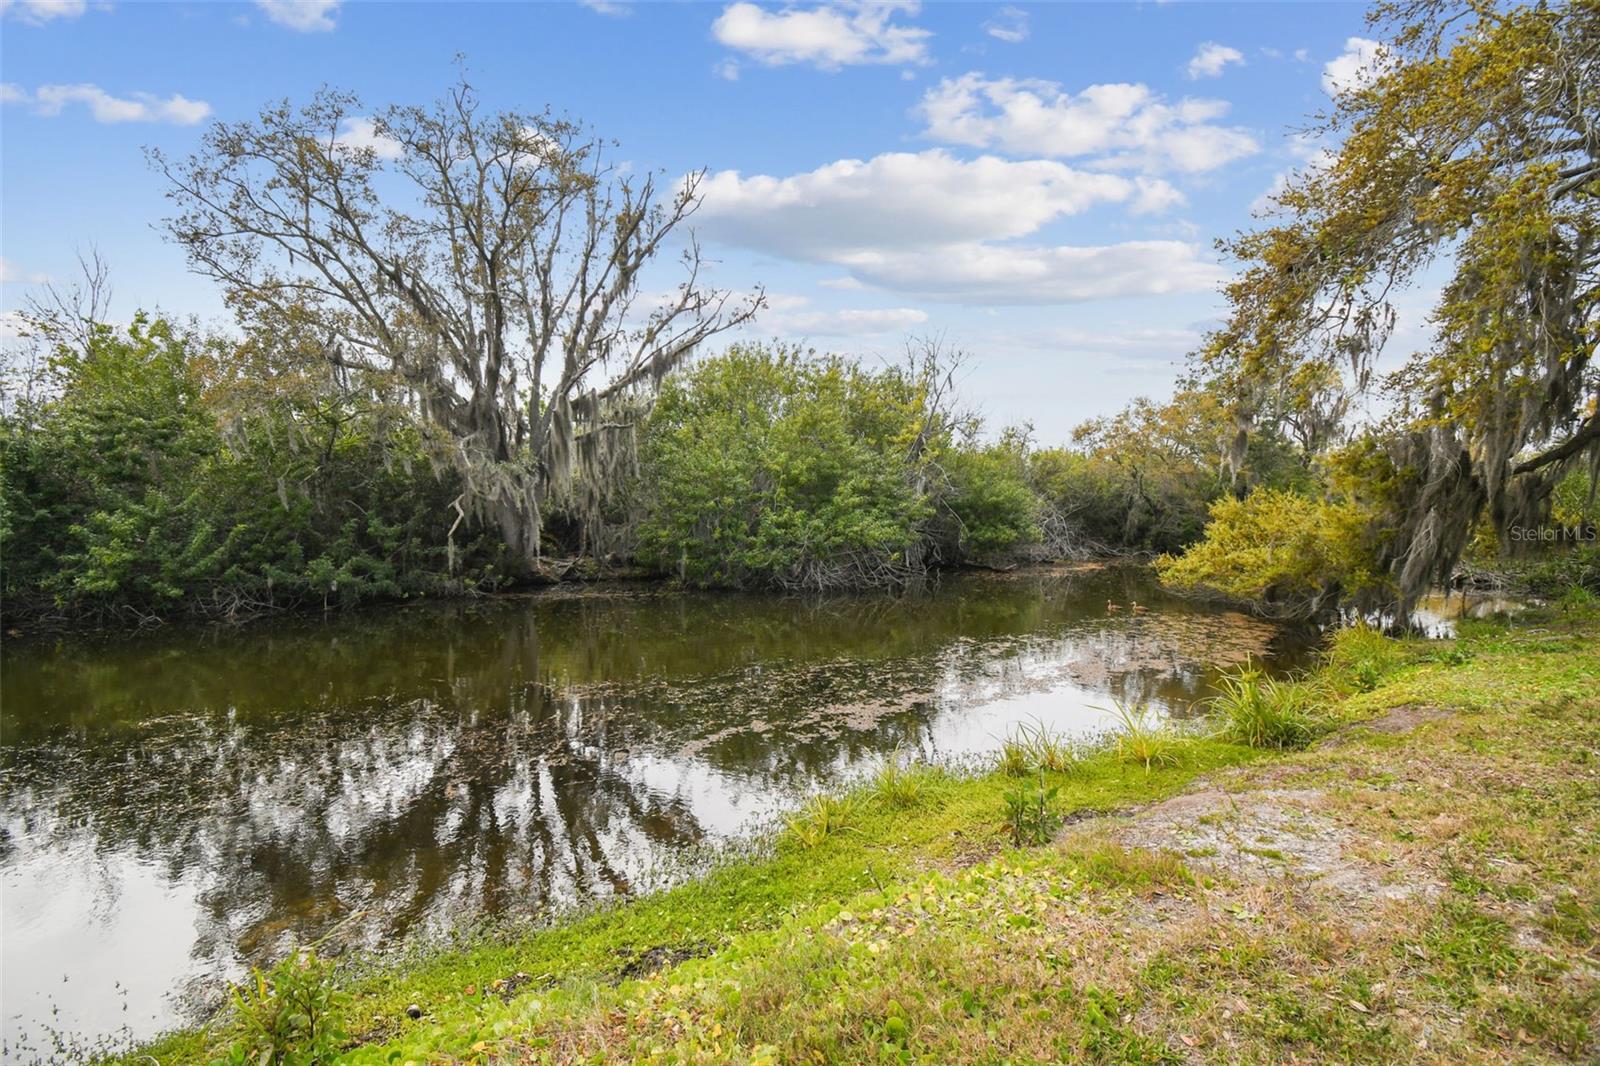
[
  {"x": 1140, "y": 737},
  {"x": 1263, "y": 712},
  {"x": 821, "y": 817},
  {"x": 900, "y": 784},
  {"x": 1037, "y": 747}
]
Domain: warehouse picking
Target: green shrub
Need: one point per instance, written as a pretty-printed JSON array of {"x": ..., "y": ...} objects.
[
  {"x": 1031, "y": 813},
  {"x": 1263, "y": 712},
  {"x": 1289, "y": 554},
  {"x": 765, "y": 467},
  {"x": 993, "y": 508},
  {"x": 288, "y": 1017}
]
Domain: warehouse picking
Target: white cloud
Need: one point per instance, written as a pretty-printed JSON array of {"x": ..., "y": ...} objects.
[
  {"x": 1009, "y": 25},
  {"x": 828, "y": 36},
  {"x": 1116, "y": 124},
  {"x": 1155, "y": 197},
  {"x": 38, "y": 12},
  {"x": 999, "y": 274},
  {"x": 1118, "y": 342},
  {"x": 610, "y": 8},
  {"x": 793, "y": 316},
  {"x": 907, "y": 200},
  {"x": 845, "y": 282},
  {"x": 304, "y": 16},
  {"x": 1356, "y": 67},
  {"x": 1302, "y": 55},
  {"x": 51, "y": 100},
  {"x": 1212, "y": 59},
  {"x": 941, "y": 227},
  {"x": 11, "y": 274},
  {"x": 360, "y": 132},
  {"x": 728, "y": 70}
]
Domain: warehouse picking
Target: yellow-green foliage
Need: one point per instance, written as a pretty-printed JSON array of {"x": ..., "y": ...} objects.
[{"x": 1285, "y": 551}]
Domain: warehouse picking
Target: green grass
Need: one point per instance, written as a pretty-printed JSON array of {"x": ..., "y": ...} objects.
[
  {"x": 954, "y": 820},
  {"x": 1143, "y": 739},
  {"x": 1264, "y": 712},
  {"x": 911, "y": 931}
]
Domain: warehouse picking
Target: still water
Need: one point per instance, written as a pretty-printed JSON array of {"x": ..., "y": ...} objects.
[{"x": 179, "y": 805}]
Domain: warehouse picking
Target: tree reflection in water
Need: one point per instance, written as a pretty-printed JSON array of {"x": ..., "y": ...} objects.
[{"x": 438, "y": 764}]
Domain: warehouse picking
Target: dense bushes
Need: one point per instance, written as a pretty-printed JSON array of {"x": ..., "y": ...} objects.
[
  {"x": 122, "y": 495},
  {"x": 762, "y": 466},
  {"x": 768, "y": 466},
  {"x": 992, "y": 506},
  {"x": 152, "y": 471},
  {"x": 1291, "y": 554}
]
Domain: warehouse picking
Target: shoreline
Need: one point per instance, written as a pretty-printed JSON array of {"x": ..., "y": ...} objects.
[{"x": 484, "y": 991}]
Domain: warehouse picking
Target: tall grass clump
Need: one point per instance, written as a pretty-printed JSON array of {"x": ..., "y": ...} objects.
[
  {"x": 899, "y": 784},
  {"x": 1029, "y": 748},
  {"x": 821, "y": 817},
  {"x": 290, "y": 1014},
  {"x": 1263, "y": 712},
  {"x": 1141, "y": 737},
  {"x": 1362, "y": 656}
]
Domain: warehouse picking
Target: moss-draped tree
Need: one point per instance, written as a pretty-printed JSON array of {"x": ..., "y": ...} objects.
[
  {"x": 490, "y": 264},
  {"x": 1470, "y": 148}
]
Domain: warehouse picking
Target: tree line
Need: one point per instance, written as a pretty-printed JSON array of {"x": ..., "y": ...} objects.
[
  {"x": 160, "y": 470},
  {"x": 470, "y": 351}
]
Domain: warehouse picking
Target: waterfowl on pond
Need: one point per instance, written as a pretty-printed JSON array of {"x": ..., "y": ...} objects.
[
  {"x": 1112, "y": 608},
  {"x": 1137, "y": 608}
]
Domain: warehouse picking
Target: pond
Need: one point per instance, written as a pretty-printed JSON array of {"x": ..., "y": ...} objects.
[{"x": 181, "y": 804}]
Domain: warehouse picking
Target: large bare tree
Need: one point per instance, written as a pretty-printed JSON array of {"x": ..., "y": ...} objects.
[{"x": 491, "y": 264}]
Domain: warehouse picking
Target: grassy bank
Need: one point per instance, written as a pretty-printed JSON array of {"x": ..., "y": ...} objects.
[{"x": 1427, "y": 888}]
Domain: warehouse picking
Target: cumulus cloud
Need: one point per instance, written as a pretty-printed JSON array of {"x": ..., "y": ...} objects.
[
  {"x": 995, "y": 274},
  {"x": 828, "y": 36},
  {"x": 360, "y": 133},
  {"x": 1114, "y": 125},
  {"x": 1009, "y": 25},
  {"x": 907, "y": 200},
  {"x": 303, "y": 16},
  {"x": 787, "y": 315},
  {"x": 1361, "y": 62},
  {"x": 51, "y": 100},
  {"x": 930, "y": 224},
  {"x": 1212, "y": 59},
  {"x": 39, "y": 12}
]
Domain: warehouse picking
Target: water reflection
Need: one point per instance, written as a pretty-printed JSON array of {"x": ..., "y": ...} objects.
[{"x": 178, "y": 806}]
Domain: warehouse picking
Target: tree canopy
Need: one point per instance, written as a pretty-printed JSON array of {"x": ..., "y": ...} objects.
[
  {"x": 1470, "y": 148},
  {"x": 489, "y": 265}
]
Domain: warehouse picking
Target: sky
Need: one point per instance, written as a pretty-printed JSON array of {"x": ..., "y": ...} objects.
[{"x": 1039, "y": 185}]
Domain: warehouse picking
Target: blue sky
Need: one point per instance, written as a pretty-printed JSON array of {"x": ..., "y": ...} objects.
[{"x": 1040, "y": 184}]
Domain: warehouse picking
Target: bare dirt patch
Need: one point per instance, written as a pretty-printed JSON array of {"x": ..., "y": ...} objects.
[{"x": 1268, "y": 834}]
